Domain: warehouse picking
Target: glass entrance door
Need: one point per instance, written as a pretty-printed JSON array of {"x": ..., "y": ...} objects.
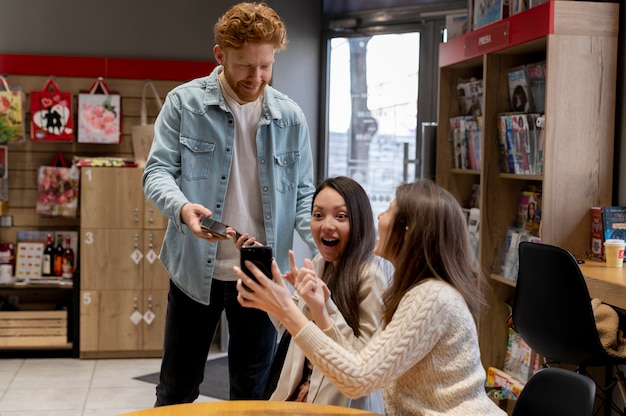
[{"x": 372, "y": 111}]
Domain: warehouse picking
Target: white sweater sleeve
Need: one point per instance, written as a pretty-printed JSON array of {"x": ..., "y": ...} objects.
[{"x": 415, "y": 328}]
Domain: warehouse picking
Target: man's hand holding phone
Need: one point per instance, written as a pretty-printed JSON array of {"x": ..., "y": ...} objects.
[{"x": 218, "y": 229}]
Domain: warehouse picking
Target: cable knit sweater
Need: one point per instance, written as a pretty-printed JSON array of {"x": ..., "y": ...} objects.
[{"x": 426, "y": 360}]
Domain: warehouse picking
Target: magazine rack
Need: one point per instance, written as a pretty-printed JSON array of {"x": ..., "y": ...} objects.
[{"x": 578, "y": 41}]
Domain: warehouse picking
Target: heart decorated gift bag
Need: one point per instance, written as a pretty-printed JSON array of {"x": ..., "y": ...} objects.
[
  {"x": 144, "y": 133},
  {"x": 51, "y": 114},
  {"x": 99, "y": 115},
  {"x": 57, "y": 189},
  {"x": 12, "y": 113}
]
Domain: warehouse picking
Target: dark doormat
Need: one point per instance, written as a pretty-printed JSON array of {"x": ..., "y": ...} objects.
[{"x": 215, "y": 383}]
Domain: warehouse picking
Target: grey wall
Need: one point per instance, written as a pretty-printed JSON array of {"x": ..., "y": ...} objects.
[
  {"x": 120, "y": 28},
  {"x": 160, "y": 29}
]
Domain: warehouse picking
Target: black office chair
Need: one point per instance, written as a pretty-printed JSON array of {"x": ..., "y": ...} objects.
[
  {"x": 552, "y": 313},
  {"x": 556, "y": 392}
]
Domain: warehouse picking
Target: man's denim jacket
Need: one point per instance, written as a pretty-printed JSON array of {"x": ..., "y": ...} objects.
[{"x": 190, "y": 161}]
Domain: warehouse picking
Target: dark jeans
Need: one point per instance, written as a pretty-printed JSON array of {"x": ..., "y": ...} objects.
[{"x": 189, "y": 331}]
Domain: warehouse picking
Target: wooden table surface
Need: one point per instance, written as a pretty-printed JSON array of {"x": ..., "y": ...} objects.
[
  {"x": 605, "y": 283},
  {"x": 249, "y": 408}
]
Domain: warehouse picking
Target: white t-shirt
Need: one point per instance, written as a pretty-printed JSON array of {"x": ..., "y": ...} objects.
[{"x": 242, "y": 207}]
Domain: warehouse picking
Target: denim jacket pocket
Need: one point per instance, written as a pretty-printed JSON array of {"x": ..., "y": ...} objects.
[
  {"x": 196, "y": 156},
  {"x": 286, "y": 170}
]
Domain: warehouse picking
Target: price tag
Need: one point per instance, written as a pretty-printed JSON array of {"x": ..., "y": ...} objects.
[
  {"x": 136, "y": 256},
  {"x": 151, "y": 256},
  {"x": 149, "y": 316},
  {"x": 136, "y": 317}
]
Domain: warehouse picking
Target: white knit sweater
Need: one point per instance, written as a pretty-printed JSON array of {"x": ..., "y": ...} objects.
[{"x": 426, "y": 360}]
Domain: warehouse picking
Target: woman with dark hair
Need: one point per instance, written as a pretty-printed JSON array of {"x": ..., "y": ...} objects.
[
  {"x": 342, "y": 225},
  {"x": 425, "y": 356}
]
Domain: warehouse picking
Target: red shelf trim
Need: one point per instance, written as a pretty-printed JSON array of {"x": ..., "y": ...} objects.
[
  {"x": 531, "y": 24},
  {"x": 92, "y": 67}
]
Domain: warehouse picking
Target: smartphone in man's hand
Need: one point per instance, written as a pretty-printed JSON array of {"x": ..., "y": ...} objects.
[{"x": 216, "y": 228}]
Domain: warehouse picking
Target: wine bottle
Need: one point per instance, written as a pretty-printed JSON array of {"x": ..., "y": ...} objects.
[
  {"x": 58, "y": 256},
  {"x": 68, "y": 259},
  {"x": 47, "y": 267}
]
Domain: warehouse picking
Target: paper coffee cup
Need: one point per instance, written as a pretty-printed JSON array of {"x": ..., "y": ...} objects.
[{"x": 614, "y": 252}]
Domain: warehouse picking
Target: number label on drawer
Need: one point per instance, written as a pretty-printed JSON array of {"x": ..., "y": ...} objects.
[{"x": 87, "y": 298}]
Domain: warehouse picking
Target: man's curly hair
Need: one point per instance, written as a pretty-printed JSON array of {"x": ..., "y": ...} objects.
[{"x": 250, "y": 22}]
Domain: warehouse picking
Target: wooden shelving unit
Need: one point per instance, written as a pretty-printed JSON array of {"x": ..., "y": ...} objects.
[{"x": 578, "y": 40}]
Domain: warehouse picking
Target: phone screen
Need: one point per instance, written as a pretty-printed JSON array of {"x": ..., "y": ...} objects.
[{"x": 261, "y": 256}]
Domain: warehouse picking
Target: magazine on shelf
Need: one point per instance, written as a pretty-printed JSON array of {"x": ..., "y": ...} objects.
[
  {"x": 520, "y": 360},
  {"x": 509, "y": 264},
  {"x": 596, "y": 245},
  {"x": 614, "y": 221},
  {"x": 529, "y": 214},
  {"x": 466, "y": 142},
  {"x": 537, "y": 85},
  {"x": 532, "y": 144},
  {"x": 456, "y": 130},
  {"x": 517, "y": 6},
  {"x": 519, "y": 93},
  {"x": 504, "y": 159},
  {"x": 489, "y": 11},
  {"x": 470, "y": 92},
  {"x": 520, "y": 143},
  {"x": 506, "y": 124},
  {"x": 541, "y": 137},
  {"x": 456, "y": 24},
  {"x": 474, "y": 227},
  {"x": 511, "y": 386}
]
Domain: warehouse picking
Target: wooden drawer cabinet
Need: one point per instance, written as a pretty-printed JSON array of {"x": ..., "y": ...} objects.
[{"x": 124, "y": 286}]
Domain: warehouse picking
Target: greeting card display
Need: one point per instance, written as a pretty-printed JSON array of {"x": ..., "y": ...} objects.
[
  {"x": 51, "y": 114},
  {"x": 57, "y": 191},
  {"x": 12, "y": 109},
  {"x": 99, "y": 115}
]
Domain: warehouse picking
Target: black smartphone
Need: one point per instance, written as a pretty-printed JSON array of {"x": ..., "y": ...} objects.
[
  {"x": 216, "y": 228},
  {"x": 261, "y": 256}
]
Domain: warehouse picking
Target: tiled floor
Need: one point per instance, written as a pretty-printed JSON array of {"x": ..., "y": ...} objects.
[{"x": 73, "y": 387}]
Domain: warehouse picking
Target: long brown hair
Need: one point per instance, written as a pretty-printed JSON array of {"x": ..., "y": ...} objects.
[
  {"x": 345, "y": 282},
  {"x": 428, "y": 238}
]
